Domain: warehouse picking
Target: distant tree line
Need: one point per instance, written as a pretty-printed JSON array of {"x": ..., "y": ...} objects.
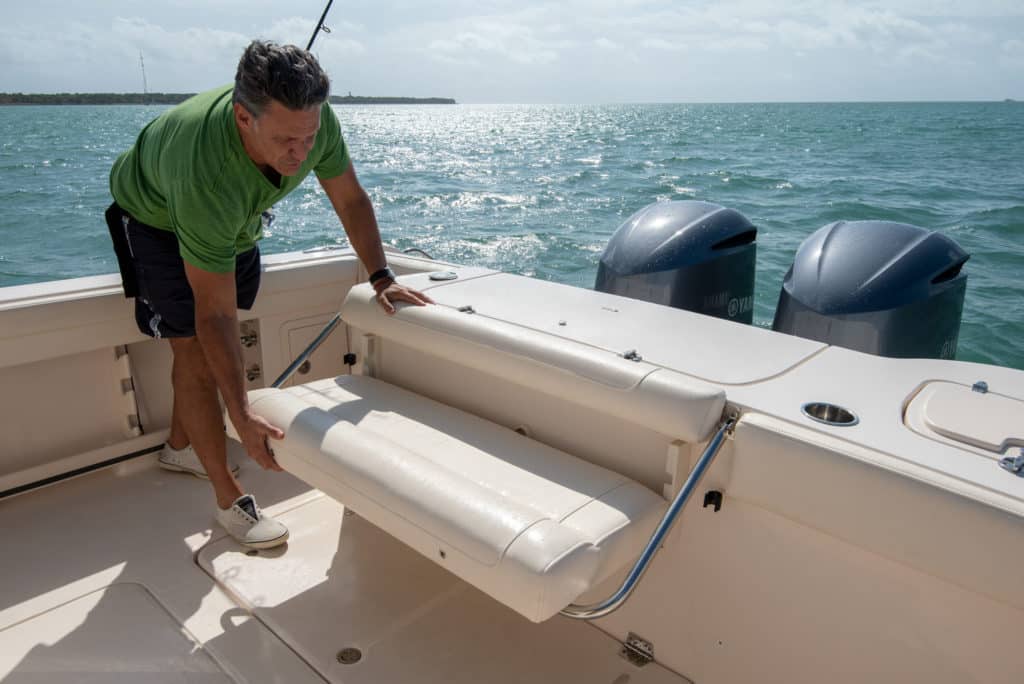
[
  {"x": 175, "y": 98},
  {"x": 91, "y": 98},
  {"x": 363, "y": 99}
]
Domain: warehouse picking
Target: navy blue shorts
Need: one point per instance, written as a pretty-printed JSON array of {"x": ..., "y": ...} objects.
[{"x": 153, "y": 271}]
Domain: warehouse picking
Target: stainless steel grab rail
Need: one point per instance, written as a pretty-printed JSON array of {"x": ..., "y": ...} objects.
[{"x": 615, "y": 601}]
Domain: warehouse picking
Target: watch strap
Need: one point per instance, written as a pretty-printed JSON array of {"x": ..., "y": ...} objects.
[{"x": 385, "y": 272}]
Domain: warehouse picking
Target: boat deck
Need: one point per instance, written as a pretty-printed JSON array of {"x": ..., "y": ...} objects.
[{"x": 118, "y": 575}]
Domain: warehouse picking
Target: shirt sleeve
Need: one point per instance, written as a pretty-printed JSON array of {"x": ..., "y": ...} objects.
[
  {"x": 207, "y": 225},
  {"x": 334, "y": 158}
]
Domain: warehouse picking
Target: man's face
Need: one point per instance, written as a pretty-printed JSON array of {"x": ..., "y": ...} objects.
[{"x": 280, "y": 137}]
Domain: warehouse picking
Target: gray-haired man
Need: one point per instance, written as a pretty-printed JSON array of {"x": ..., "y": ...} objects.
[{"x": 188, "y": 197}]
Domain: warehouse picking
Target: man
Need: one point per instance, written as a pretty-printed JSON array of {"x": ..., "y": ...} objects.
[{"x": 189, "y": 196}]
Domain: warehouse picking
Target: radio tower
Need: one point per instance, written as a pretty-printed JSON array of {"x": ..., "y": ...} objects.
[{"x": 145, "y": 87}]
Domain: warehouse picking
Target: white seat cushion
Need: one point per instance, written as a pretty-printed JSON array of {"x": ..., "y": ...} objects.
[
  {"x": 530, "y": 525},
  {"x": 676, "y": 405}
]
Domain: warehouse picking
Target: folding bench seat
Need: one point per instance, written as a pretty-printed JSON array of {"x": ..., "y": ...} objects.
[{"x": 529, "y": 525}]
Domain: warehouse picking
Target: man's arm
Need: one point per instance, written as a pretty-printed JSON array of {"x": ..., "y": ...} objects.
[
  {"x": 355, "y": 210},
  {"x": 217, "y": 331}
]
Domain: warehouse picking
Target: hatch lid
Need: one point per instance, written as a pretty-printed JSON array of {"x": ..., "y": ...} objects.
[{"x": 985, "y": 420}]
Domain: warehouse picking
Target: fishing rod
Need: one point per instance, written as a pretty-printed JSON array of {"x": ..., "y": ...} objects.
[{"x": 320, "y": 25}]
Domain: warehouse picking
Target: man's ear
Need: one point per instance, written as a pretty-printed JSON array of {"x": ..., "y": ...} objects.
[{"x": 243, "y": 117}]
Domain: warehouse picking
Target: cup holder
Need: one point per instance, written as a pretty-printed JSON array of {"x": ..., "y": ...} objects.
[{"x": 829, "y": 414}]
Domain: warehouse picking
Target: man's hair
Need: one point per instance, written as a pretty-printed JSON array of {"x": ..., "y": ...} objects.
[{"x": 286, "y": 73}]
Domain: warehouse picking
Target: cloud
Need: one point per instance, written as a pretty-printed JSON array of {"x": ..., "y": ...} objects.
[
  {"x": 662, "y": 44},
  {"x": 1013, "y": 47},
  {"x": 1012, "y": 53},
  {"x": 293, "y": 30},
  {"x": 508, "y": 40},
  {"x": 751, "y": 26},
  {"x": 194, "y": 45},
  {"x": 529, "y": 50},
  {"x": 89, "y": 57},
  {"x": 951, "y": 8},
  {"x": 333, "y": 43}
]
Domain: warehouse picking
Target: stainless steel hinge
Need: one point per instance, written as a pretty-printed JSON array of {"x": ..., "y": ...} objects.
[
  {"x": 637, "y": 650},
  {"x": 253, "y": 372},
  {"x": 249, "y": 334}
]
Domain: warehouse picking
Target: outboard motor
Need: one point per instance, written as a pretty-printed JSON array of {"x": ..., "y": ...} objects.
[
  {"x": 879, "y": 287},
  {"x": 691, "y": 255}
]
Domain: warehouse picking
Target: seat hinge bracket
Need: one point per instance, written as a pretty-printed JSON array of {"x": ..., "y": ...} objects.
[{"x": 637, "y": 650}]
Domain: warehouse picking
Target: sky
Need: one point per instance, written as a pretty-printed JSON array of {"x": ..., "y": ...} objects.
[{"x": 529, "y": 51}]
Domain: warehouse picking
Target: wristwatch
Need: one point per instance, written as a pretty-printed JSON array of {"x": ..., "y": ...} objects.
[{"x": 383, "y": 273}]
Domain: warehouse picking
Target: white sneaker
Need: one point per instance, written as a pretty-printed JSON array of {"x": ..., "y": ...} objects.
[
  {"x": 185, "y": 461},
  {"x": 249, "y": 526}
]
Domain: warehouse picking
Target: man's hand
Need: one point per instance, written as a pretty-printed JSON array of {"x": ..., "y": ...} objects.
[
  {"x": 255, "y": 433},
  {"x": 355, "y": 210},
  {"x": 390, "y": 292}
]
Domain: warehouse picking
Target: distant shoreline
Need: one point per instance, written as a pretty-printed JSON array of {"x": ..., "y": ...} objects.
[
  {"x": 175, "y": 98},
  {"x": 363, "y": 99}
]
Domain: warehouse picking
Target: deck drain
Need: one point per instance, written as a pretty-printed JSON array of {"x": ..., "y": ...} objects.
[
  {"x": 252, "y": 552},
  {"x": 349, "y": 656}
]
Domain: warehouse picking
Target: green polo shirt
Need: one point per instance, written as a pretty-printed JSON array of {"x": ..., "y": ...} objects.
[{"x": 188, "y": 173}]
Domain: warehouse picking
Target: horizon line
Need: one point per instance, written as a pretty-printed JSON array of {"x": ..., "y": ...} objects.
[{"x": 1006, "y": 100}]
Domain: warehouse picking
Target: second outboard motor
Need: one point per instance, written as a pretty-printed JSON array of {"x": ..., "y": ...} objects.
[
  {"x": 691, "y": 255},
  {"x": 880, "y": 287}
]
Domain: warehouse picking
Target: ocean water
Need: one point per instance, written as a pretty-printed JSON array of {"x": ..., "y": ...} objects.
[{"x": 539, "y": 189}]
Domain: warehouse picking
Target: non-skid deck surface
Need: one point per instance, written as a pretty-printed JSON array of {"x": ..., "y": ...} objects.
[
  {"x": 99, "y": 565},
  {"x": 343, "y": 584},
  {"x": 98, "y": 583},
  {"x": 116, "y": 634}
]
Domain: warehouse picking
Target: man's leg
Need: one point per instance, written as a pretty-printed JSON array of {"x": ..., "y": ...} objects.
[
  {"x": 197, "y": 414},
  {"x": 164, "y": 308},
  {"x": 178, "y": 438}
]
